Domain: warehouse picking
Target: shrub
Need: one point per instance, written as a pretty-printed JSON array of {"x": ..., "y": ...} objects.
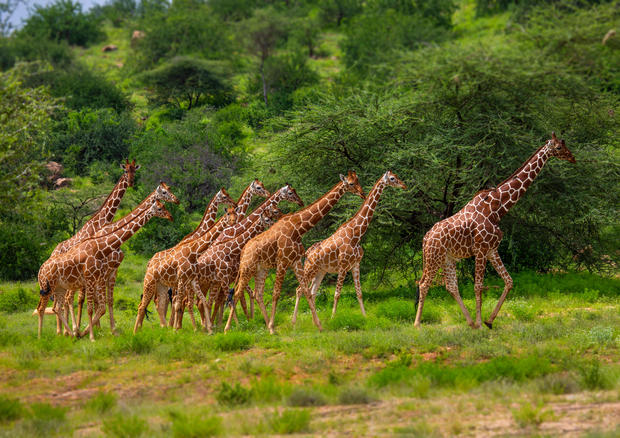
[
  {"x": 10, "y": 409},
  {"x": 125, "y": 426},
  {"x": 233, "y": 395},
  {"x": 530, "y": 415},
  {"x": 195, "y": 426},
  {"x": 594, "y": 377},
  {"x": 234, "y": 341},
  {"x": 102, "y": 402},
  {"x": 290, "y": 421},
  {"x": 18, "y": 301},
  {"x": 347, "y": 320},
  {"x": 21, "y": 254},
  {"x": 355, "y": 396},
  {"x": 306, "y": 397},
  {"x": 47, "y": 419},
  {"x": 558, "y": 384},
  {"x": 397, "y": 310}
]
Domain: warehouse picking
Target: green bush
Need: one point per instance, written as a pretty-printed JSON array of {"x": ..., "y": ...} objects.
[
  {"x": 236, "y": 395},
  {"x": 47, "y": 419},
  {"x": 347, "y": 319},
  {"x": 125, "y": 426},
  {"x": 21, "y": 254},
  {"x": 397, "y": 310},
  {"x": 234, "y": 341},
  {"x": 290, "y": 421},
  {"x": 354, "y": 396},
  {"x": 10, "y": 409},
  {"x": 594, "y": 377},
  {"x": 18, "y": 300},
  {"x": 301, "y": 397},
  {"x": 195, "y": 426},
  {"x": 102, "y": 402}
]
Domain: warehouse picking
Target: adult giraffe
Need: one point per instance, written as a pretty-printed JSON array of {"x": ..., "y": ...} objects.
[
  {"x": 342, "y": 252},
  {"x": 86, "y": 265},
  {"x": 474, "y": 232},
  {"x": 280, "y": 247}
]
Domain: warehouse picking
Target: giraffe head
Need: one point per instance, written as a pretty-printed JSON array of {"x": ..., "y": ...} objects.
[
  {"x": 259, "y": 189},
  {"x": 267, "y": 219},
  {"x": 230, "y": 218},
  {"x": 351, "y": 184},
  {"x": 130, "y": 170},
  {"x": 273, "y": 212},
  {"x": 222, "y": 197},
  {"x": 163, "y": 193},
  {"x": 291, "y": 195},
  {"x": 159, "y": 210},
  {"x": 557, "y": 148},
  {"x": 391, "y": 179}
]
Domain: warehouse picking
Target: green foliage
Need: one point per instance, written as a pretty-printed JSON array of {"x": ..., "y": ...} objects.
[
  {"x": 234, "y": 341},
  {"x": 530, "y": 415},
  {"x": 595, "y": 377},
  {"x": 21, "y": 253},
  {"x": 560, "y": 383},
  {"x": 186, "y": 82},
  {"x": 290, "y": 421},
  {"x": 46, "y": 419},
  {"x": 86, "y": 136},
  {"x": 195, "y": 426},
  {"x": 125, "y": 426},
  {"x": 347, "y": 319},
  {"x": 18, "y": 300},
  {"x": 102, "y": 402},
  {"x": 355, "y": 396},
  {"x": 397, "y": 310},
  {"x": 63, "y": 20},
  {"x": 301, "y": 397},
  {"x": 236, "y": 395},
  {"x": 10, "y": 409}
]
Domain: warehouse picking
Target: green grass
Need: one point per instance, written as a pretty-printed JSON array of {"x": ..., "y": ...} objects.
[{"x": 556, "y": 340}]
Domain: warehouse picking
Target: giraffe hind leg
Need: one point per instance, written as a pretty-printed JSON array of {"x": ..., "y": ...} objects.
[{"x": 497, "y": 263}]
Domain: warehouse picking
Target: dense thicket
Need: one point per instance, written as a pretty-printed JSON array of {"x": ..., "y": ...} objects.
[{"x": 451, "y": 95}]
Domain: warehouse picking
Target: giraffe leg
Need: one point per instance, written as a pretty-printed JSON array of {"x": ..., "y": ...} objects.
[
  {"x": 299, "y": 273},
  {"x": 203, "y": 300},
  {"x": 309, "y": 272},
  {"x": 259, "y": 288},
  {"x": 110, "y": 290},
  {"x": 147, "y": 295},
  {"x": 81, "y": 298},
  {"x": 431, "y": 266},
  {"x": 251, "y": 295},
  {"x": 342, "y": 273},
  {"x": 481, "y": 263},
  {"x": 41, "y": 308},
  {"x": 358, "y": 287},
  {"x": 496, "y": 261},
  {"x": 452, "y": 286},
  {"x": 277, "y": 288},
  {"x": 60, "y": 298}
]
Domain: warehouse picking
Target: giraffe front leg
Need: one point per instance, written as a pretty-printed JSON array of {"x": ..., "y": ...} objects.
[
  {"x": 277, "y": 289},
  {"x": 147, "y": 295},
  {"x": 481, "y": 263},
  {"x": 61, "y": 303},
  {"x": 81, "y": 298},
  {"x": 452, "y": 286},
  {"x": 342, "y": 273},
  {"x": 431, "y": 266},
  {"x": 497, "y": 263},
  {"x": 358, "y": 286},
  {"x": 43, "y": 300},
  {"x": 251, "y": 295},
  {"x": 299, "y": 273}
]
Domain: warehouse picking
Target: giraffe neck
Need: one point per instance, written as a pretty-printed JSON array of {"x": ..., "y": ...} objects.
[
  {"x": 113, "y": 241},
  {"x": 141, "y": 208},
  {"x": 244, "y": 202},
  {"x": 208, "y": 220},
  {"x": 513, "y": 188},
  {"x": 242, "y": 238},
  {"x": 359, "y": 223},
  {"x": 243, "y": 225},
  {"x": 108, "y": 209},
  {"x": 313, "y": 213},
  {"x": 201, "y": 243}
]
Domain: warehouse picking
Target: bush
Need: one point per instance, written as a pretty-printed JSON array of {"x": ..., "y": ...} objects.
[
  {"x": 290, "y": 421},
  {"x": 10, "y": 409},
  {"x": 47, "y": 419},
  {"x": 125, "y": 426},
  {"x": 397, "y": 310},
  {"x": 530, "y": 415},
  {"x": 306, "y": 397},
  {"x": 347, "y": 320},
  {"x": 233, "y": 395},
  {"x": 594, "y": 377},
  {"x": 234, "y": 341},
  {"x": 195, "y": 426},
  {"x": 19, "y": 300},
  {"x": 21, "y": 254},
  {"x": 355, "y": 396},
  {"x": 102, "y": 402}
]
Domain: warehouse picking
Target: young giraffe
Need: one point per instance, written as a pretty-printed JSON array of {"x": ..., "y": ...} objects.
[
  {"x": 162, "y": 272},
  {"x": 208, "y": 219},
  {"x": 342, "y": 251},
  {"x": 217, "y": 267},
  {"x": 474, "y": 231},
  {"x": 256, "y": 187},
  {"x": 85, "y": 265},
  {"x": 106, "y": 212},
  {"x": 281, "y": 247},
  {"x": 163, "y": 194}
]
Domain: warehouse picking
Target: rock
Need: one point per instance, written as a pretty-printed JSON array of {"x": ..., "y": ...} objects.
[
  {"x": 109, "y": 48},
  {"x": 136, "y": 36},
  {"x": 63, "y": 182},
  {"x": 54, "y": 170}
]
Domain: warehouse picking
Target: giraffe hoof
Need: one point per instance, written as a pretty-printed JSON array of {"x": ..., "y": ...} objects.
[{"x": 489, "y": 325}]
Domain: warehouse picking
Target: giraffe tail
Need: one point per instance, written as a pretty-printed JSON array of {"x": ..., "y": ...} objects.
[
  {"x": 417, "y": 296},
  {"x": 170, "y": 294},
  {"x": 45, "y": 291}
]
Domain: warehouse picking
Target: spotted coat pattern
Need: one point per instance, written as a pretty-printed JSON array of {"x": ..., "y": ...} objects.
[
  {"x": 342, "y": 252},
  {"x": 280, "y": 247},
  {"x": 474, "y": 232}
]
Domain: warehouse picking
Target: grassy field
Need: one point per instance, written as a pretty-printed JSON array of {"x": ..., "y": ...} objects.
[{"x": 550, "y": 366}]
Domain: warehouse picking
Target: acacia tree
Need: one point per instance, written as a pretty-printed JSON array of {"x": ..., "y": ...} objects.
[{"x": 263, "y": 32}]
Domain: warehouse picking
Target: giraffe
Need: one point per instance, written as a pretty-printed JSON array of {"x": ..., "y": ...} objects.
[
  {"x": 217, "y": 266},
  {"x": 86, "y": 265},
  {"x": 106, "y": 212},
  {"x": 474, "y": 231},
  {"x": 342, "y": 251},
  {"x": 161, "y": 193},
  {"x": 162, "y": 272},
  {"x": 281, "y": 247}
]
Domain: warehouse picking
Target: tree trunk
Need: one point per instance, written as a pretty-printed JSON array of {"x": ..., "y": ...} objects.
[{"x": 262, "y": 75}]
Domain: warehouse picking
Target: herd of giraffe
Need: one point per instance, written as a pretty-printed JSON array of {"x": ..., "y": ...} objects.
[{"x": 239, "y": 247}]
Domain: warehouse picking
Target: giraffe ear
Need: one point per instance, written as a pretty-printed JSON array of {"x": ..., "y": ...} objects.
[
  {"x": 343, "y": 178},
  {"x": 122, "y": 166},
  {"x": 553, "y": 136},
  {"x": 137, "y": 167}
]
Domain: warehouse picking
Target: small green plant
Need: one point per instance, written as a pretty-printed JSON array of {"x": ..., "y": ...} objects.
[
  {"x": 229, "y": 395},
  {"x": 196, "y": 426},
  {"x": 46, "y": 419},
  {"x": 17, "y": 301},
  {"x": 125, "y": 426},
  {"x": 102, "y": 402},
  {"x": 234, "y": 341},
  {"x": 10, "y": 409},
  {"x": 355, "y": 396},
  {"x": 561, "y": 383},
  {"x": 347, "y": 320},
  {"x": 396, "y": 309},
  {"x": 290, "y": 421},
  {"x": 530, "y": 415},
  {"x": 306, "y": 397},
  {"x": 593, "y": 377}
]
